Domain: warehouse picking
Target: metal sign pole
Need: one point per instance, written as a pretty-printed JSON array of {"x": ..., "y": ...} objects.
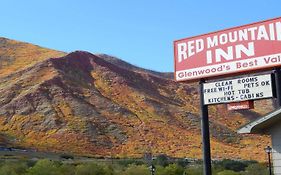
[
  {"x": 205, "y": 132},
  {"x": 278, "y": 86}
]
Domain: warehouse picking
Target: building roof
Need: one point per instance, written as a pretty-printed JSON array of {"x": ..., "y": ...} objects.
[{"x": 261, "y": 125}]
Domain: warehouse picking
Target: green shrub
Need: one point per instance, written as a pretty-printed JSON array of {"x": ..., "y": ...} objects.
[
  {"x": 92, "y": 169},
  {"x": 256, "y": 169},
  {"x": 172, "y": 169},
  {"x": 161, "y": 160},
  {"x": 182, "y": 162},
  {"x": 233, "y": 165},
  {"x": 228, "y": 172},
  {"x": 66, "y": 169},
  {"x": 194, "y": 170},
  {"x": 126, "y": 162},
  {"x": 136, "y": 170},
  {"x": 13, "y": 168},
  {"x": 44, "y": 167},
  {"x": 130, "y": 167}
]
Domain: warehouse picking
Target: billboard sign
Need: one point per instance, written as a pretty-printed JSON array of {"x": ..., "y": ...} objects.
[
  {"x": 246, "y": 48},
  {"x": 239, "y": 89}
]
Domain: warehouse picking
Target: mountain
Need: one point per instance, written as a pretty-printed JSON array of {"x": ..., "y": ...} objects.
[
  {"x": 98, "y": 105},
  {"x": 128, "y": 66},
  {"x": 16, "y": 55}
]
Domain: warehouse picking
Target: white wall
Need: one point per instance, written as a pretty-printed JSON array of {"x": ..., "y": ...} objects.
[{"x": 275, "y": 132}]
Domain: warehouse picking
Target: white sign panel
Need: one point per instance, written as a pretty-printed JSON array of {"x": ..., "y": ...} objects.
[{"x": 240, "y": 89}]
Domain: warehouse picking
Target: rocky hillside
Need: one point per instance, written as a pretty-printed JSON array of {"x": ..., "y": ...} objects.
[{"x": 101, "y": 106}]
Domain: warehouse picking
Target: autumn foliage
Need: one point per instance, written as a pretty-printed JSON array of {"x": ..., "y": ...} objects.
[{"x": 90, "y": 105}]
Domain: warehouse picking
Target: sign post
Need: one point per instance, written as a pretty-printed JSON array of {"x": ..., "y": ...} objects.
[
  {"x": 277, "y": 74},
  {"x": 205, "y": 131}
]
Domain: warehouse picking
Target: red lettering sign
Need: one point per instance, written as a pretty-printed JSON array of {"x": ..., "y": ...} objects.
[
  {"x": 240, "y": 105},
  {"x": 241, "y": 49}
]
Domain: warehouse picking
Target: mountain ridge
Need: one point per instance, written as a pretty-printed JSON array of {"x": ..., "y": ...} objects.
[
  {"x": 85, "y": 104},
  {"x": 123, "y": 64}
]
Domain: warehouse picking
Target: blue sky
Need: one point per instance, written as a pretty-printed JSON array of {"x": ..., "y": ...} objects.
[{"x": 140, "y": 32}]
